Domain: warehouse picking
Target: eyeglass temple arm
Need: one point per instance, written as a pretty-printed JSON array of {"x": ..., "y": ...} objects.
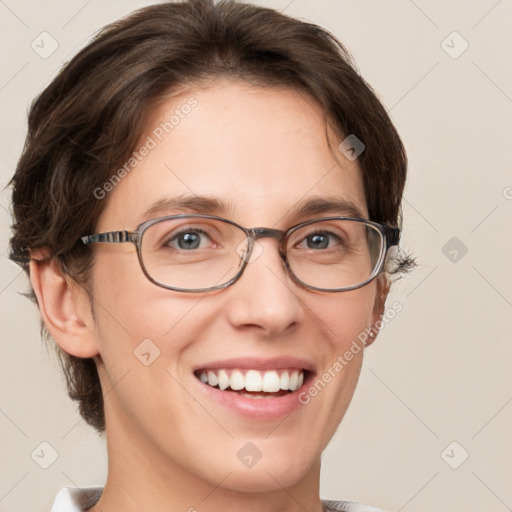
[
  {"x": 392, "y": 236},
  {"x": 112, "y": 237}
]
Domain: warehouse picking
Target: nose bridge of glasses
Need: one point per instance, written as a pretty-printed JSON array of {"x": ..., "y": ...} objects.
[
  {"x": 254, "y": 234},
  {"x": 258, "y": 233}
]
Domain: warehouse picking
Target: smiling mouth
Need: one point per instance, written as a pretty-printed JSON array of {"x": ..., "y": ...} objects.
[{"x": 254, "y": 383}]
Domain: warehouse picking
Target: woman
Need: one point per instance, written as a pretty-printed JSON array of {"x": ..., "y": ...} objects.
[{"x": 208, "y": 208}]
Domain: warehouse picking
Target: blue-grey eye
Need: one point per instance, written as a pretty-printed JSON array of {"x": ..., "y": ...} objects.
[
  {"x": 321, "y": 240},
  {"x": 187, "y": 240},
  {"x": 318, "y": 241}
]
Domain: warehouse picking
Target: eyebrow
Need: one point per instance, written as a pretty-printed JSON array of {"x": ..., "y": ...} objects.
[
  {"x": 214, "y": 206},
  {"x": 324, "y": 205},
  {"x": 188, "y": 204}
]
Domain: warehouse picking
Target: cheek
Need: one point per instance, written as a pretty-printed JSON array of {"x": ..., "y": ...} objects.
[
  {"x": 134, "y": 317},
  {"x": 127, "y": 302},
  {"x": 341, "y": 321},
  {"x": 345, "y": 316}
]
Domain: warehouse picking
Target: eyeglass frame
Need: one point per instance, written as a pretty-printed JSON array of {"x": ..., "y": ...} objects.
[{"x": 389, "y": 235}]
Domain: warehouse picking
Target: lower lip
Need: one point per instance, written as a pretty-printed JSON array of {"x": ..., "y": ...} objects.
[{"x": 262, "y": 409}]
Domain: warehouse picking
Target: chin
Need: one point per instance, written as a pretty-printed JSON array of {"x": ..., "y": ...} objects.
[
  {"x": 255, "y": 481},
  {"x": 267, "y": 475}
]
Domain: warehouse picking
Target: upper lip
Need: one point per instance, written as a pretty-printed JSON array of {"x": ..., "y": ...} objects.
[{"x": 259, "y": 363}]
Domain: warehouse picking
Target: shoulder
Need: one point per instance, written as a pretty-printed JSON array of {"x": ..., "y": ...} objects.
[
  {"x": 347, "y": 506},
  {"x": 76, "y": 499}
]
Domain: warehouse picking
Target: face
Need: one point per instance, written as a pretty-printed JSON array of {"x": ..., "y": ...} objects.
[{"x": 261, "y": 152}]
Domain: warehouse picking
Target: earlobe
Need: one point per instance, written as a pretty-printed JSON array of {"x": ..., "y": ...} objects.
[{"x": 64, "y": 308}]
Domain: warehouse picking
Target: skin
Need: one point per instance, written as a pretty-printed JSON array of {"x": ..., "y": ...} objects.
[{"x": 169, "y": 447}]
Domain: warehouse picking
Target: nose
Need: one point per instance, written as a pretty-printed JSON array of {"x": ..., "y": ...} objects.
[{"x": 265, "y": 298}]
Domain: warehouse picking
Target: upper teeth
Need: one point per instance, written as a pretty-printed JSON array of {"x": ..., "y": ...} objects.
[{"x": 254, "y": 380}]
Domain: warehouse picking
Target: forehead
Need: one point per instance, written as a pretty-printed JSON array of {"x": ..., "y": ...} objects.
[{"x": 257, "y": 152}]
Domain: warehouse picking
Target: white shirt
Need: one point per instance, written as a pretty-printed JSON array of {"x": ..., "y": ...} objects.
[{"x": 78, "y": 499}]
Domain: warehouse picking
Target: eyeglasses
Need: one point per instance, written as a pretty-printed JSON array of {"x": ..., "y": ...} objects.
[{"x": 198, "y": 253}]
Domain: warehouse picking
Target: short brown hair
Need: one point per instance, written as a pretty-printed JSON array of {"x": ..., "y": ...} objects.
[{"x": 88, "y": 120}]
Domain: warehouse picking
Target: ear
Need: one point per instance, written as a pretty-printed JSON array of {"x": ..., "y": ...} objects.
[
  {"x": 64, "y": 306},
  {"x": 383, "y": 285}
]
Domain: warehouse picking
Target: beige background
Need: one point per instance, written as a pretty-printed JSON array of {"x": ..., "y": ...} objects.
[{"x": 441, "y": 370}]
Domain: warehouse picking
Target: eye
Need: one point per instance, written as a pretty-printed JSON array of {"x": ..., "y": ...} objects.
[
  {"x": 187, "y": 240},
  {"x": 320, "y": 240}
]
